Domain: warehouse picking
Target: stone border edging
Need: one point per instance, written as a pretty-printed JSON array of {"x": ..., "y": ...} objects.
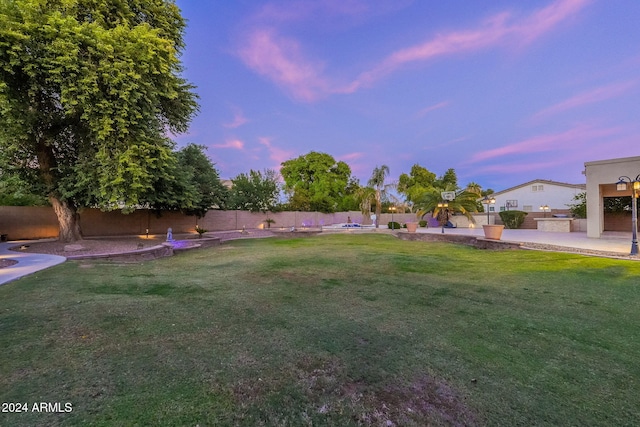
[
  {"x": 165, "y": 249},
  {"x": 478, "y": 242}
]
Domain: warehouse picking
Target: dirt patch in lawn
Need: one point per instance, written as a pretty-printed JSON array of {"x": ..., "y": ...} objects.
[{"x": 426, "y": 398}]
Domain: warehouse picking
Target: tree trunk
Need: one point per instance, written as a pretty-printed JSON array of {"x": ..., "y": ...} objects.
[
  {"x": 68, "y": 220},
  {"x": 378, "y": 207}
]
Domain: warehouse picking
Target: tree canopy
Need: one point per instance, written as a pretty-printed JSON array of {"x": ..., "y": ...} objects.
[
  {"x": 256, "y": 191},
  {"x": 89, "y": 89},
  {"x": 419, "y": 180},
  {"x": 315, "y": 181},
  {"x": 15, "y": 192},
  {"x": 192, "y": 185}
]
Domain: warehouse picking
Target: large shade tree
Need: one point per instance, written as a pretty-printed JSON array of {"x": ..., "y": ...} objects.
[
  {"x": 192, "y": 185},
  {"x": 416, "y": 182},
  {"x": 256, "y": 191},
  {"x": 89, "y": 89},
  {"x": 315, "y": 182}
]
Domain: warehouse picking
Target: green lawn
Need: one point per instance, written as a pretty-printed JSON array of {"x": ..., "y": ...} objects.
[{"x": 331, "y": 330}]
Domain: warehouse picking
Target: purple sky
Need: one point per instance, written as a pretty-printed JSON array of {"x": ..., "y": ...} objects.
[{"x": 502, "y": 91}]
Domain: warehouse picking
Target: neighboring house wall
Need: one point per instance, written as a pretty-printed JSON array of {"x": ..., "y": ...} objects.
[
  {"x": 602, "y": 177},
  {"x": 530, "y": 196}
]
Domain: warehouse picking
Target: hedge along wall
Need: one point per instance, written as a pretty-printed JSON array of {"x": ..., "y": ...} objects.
[{"x": 30, "y": 222}]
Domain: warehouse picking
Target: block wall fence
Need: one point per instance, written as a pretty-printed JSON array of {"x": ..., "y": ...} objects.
[{"x": 30, "y": 222}]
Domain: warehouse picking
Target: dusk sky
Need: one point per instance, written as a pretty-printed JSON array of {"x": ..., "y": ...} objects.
[{"x": 504, "y": 92}]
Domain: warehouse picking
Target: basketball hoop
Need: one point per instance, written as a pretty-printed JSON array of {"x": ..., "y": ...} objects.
[{"x": 448, "y": 195}]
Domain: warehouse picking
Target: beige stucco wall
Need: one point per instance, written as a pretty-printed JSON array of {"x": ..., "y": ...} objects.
[
  {"x": 601, "y": 178},
  {"x": 40, "y": 222},
  {"x": 21, "y": 223}
]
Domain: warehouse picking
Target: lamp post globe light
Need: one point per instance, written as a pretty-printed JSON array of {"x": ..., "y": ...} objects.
[
  {"x": 544, "y": 208},
  {"x": 392, "y": 209},
  {"x": 621, "y": 185},
  {"x": 441, "y": 206},
  {"x": 488, "y": 201}
]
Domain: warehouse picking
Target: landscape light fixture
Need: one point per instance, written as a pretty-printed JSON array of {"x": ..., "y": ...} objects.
[
  {"x": 544, "y": 209},
  {"x": 488, "y": 201},
  {"x": 621, "y": 185},
  {"x": 392, "y": 209}
]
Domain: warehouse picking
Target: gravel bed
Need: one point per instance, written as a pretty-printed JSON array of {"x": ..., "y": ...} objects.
[
  {"x": 7, "y": 262},
  {"x": 89, "y": 246},
  {"x": 119, "y": 245}
]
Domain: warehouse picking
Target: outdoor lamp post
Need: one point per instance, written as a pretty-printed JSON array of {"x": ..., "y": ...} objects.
[
  {"x": 442, "y": 206},
  {"x": 392, "y": 209},
  {"x": 544, "y": 209},
  {"x": 488, "y": 201},
  {"x": 621, "y": 185}
]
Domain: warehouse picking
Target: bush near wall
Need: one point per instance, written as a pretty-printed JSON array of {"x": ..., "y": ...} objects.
[{"x": 513, "y": 219}]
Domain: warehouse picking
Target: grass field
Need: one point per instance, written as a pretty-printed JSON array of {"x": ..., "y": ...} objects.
[{"x": 331, "y": 330}]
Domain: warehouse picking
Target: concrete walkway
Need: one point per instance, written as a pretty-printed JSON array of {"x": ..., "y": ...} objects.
[
  {"x": 609, "y": 242},
  {"x": 27, "y": 263}
]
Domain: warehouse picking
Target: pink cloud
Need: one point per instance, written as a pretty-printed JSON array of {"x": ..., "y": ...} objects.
[
  {"x": 235, "y": 144},
  {"x": 238, "y": 119},
  {"x": 350, "y": 156},
  {"x": 590, "y": 97},
  {"x": 547, "y": 18},
  {"x": 548, "y": 142},
  {"x": 276, "y": 154},
  {"x": 501, "y": 28},
  {"x": 282, "y": 61},
  {"x": 431, "y": 108}
]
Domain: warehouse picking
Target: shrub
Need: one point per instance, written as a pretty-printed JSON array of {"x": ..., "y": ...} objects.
[
  {"x": 579, "y": 209},
  {"x": 394, "y": 225},
  {"x": 512, "y": 219},
  {"x": 422, "y": 223},
  {"x": 200, "y": 230}
]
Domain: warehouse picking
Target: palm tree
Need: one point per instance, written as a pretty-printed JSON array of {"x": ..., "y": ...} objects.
[
  {"x": 465, "y": 203},
  {"x": 474, "y": 187},
  {"x": 377, "y": 181},
  {"x": 365, "y": 196}
]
